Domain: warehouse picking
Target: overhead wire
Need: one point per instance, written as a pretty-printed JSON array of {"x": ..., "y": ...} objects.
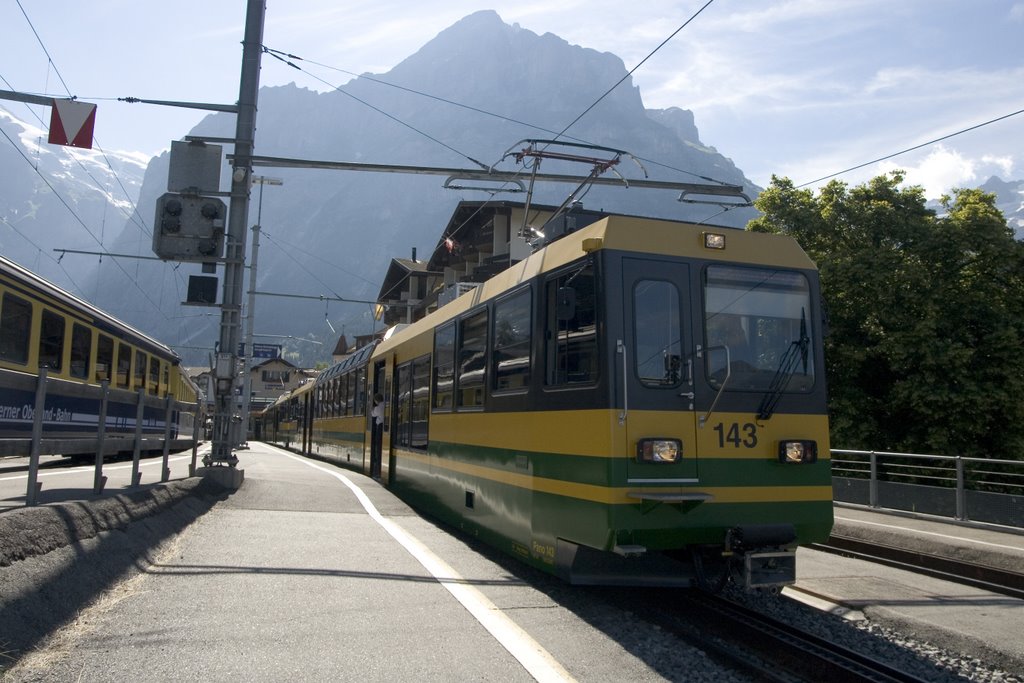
[
  {"x": 630, "y": 72},
  {"x": 286, "y": 57},
  {"x": 379, "y": 110},
  {"x": 281, "y": 56},
  {"x": 78, "y": 218},
  {"x": 915, "y": 147}
]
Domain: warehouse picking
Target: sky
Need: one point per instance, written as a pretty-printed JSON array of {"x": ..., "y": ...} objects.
[{"x": 796, "y": 88}]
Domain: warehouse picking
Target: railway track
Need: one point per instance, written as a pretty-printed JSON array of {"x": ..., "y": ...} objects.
[
  {"x": 984, "y": 577},
  {"x": 757, "y": 644}
]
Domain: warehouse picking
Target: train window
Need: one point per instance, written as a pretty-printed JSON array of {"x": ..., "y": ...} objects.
[
  {"x": 140, "y": 370},
  {"x": 403, "y": 405},
  {"x": 444, "y": 366},
  {"x": 420, "y": 401},
  {"x": 15, "y": 328},
  {"x": 124, "y": 365},
  {"x": 472, "y": 357},
  {"x": 359, "y": 397},
  {"x": 512, "y": 328},
  {"x": 51, "y": 341},
  {"x": 81, "y": 348},
  {"x": 336, "y": 397},
  {"x": 657, "y": 327},
  {"x": 758, "y": 321},
  {"x": 571, "y": 328},
  {"x": 412, "y": 401},
  {"x": 104, "y": 357},
  {"x": 154, "y": 375},
  {"x": 346, "y": 393}
]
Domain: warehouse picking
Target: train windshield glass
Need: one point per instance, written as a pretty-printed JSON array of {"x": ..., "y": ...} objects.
[{"x": 754, "y": 320}]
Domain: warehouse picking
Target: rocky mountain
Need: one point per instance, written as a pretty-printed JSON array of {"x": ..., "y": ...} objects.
[
  {"x": 334, "y": 233},
  {"x": 1010, "y": 200},
  {"x": 62, "y": 198}
]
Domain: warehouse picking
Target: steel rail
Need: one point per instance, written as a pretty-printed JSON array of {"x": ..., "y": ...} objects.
[{"x": 993, "y": 579}]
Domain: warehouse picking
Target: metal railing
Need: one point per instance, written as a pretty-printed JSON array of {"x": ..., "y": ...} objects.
[
  {"x": 42, "y": 442},
  {"x": 966, "y": 489}
]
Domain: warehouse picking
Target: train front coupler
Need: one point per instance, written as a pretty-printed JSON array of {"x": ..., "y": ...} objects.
[{"x": 764, "y": 555}]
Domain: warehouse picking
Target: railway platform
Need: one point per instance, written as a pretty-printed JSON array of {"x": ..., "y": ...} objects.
[
  {"x": 980, "y": 544},
  {"x": 965, "y": 618},
  {"x": 308, "y": 572}
]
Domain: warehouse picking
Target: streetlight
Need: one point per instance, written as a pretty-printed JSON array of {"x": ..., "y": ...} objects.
[{"x": 249, "y": 319}]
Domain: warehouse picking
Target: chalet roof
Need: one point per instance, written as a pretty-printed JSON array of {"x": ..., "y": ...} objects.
[
  {"x": 267, "y": 361},
  {"x": 341, "y": 348},
  {"x": 470, "y": 229},
  {"x": 399, "y": 270}
]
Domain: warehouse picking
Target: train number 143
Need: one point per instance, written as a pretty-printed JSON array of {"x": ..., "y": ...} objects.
[{"x": 737, "y": 435}]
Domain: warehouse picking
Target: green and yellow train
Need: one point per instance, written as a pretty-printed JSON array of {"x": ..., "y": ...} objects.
[{"x": 638, "y": 402}]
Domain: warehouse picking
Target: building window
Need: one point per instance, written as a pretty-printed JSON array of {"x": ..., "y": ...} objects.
[{"x": 275, "y": 376}]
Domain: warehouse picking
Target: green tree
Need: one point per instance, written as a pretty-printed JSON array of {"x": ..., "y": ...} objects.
[{"x": 926, "y": 314}]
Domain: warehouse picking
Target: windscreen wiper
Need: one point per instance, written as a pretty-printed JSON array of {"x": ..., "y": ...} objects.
[{"x": 796, "y": 353}]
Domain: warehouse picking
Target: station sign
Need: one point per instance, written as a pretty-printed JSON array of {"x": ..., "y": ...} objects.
[{"x": 261, "y": 350}]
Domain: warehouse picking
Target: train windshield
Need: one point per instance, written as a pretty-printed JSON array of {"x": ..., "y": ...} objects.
[{"x": 757, "y": 329}]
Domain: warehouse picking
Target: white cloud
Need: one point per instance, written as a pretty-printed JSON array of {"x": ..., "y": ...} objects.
[
  {"x": 1003, "y": 164},
  {"x": 945, "y": 169},
  {"x": 1017, "y": 12}
]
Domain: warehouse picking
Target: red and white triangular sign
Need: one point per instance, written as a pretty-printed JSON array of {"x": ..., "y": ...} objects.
[{"x": 72, "y": 123}]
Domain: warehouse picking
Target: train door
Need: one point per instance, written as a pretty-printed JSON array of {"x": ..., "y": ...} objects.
[
  {"x": 655, "y": 357},
  {"x": 376, "y": 419}
]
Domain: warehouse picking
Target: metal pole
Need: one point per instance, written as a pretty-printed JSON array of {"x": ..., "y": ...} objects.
[
  {"x": 140, "y": 417},
  {"x": 238, "y": 219},
  {"x": 165, "y": 471},
  {"x": 37, "y": 438},
  {"x": 873, "y": 484},
  {"x": 99, "y": 481},
  {"x": 961, "y": 496},
  {"x": 250, "y": 317}
]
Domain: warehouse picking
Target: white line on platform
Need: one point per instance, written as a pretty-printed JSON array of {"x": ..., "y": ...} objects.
[
  {"x": 534, "y": 658},
  {"x": 926, "y": 533}
]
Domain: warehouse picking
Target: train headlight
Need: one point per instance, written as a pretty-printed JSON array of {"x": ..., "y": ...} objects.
[
  {"x": 714, "y": 240},
  {"x": 798, "y": 451},
  {"x": 659, "y": 450}
]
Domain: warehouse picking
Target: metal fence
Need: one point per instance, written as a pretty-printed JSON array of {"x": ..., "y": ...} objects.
[{"x": 966, "y": 489}]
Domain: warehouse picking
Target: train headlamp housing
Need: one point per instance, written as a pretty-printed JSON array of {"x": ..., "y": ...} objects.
[
  {"x": 659, "y": 450},
  {"x": 798, "y": 452},
  {"x": 714, "y": 240}
]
